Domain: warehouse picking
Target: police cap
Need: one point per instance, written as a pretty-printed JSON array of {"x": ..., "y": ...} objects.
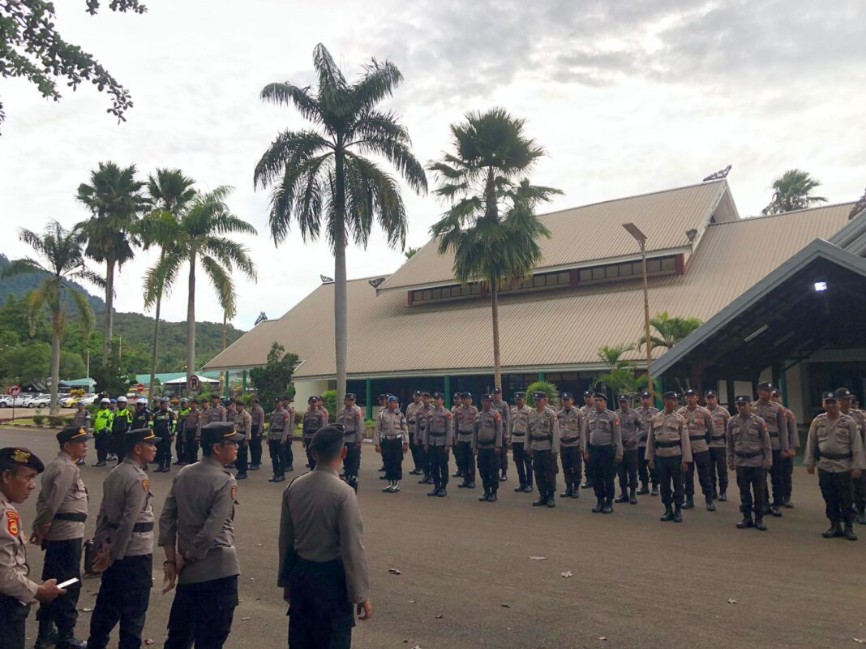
[
  {"x": 742, "y": 400},
  {"x": 623, "y": 397},
  {"x": 765, "y": 385},
  {"x": 566, "y": 395},
  {"x": 710, "y": 393},
  {"x": 350, "y": 396},
  {"x": 587, "y": 393},
  {"x": 487, "y": 397},
  {"x": 497, "y": 390},
  {"x": 17, "y": 456},
  {"x": 313, "y": 399},
  {"x": 466, "y": 395},
  {"x": 844, "y": 393},
  {"x": 133, "y": 437},
  {"x": 416, "y": 393},
  {"x": 539, "y": 395},
  {"x": 219, "y": 431},
  {"x": 425, "y": 394},
  {"x": 690, "y": 393},
  {"x": 671, "y": 395},
  {"x": 600, "y": 395},
  {"x": 455, "y": 396},
  {"x": 438, "y": 395},
  {"x": 645, "y": 395},
  {"x": 73, "y": 434},
  {"x": 829, "y": 397},
  {"x": 519, "y": 395},
  {"x": 393, "y": 399}
]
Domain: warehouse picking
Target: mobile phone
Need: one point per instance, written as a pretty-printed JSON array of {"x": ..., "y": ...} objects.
[{"x": 68, "y": 583}]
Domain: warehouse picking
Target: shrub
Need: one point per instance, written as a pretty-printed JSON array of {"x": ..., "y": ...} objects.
[
  {"x": 38, "y": 419},
  {"x": 329, "y": 398},
  {"x": 58, "y": 422},
  {"x": 546, "y": 387}
]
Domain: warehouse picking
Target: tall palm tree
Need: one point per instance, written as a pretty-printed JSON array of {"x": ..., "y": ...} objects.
[
  {"x": 669, "y": 330},
  {"x": 793, "y": 191},
  {"x": 115, "y": 202},
  {"x": 321, "y": 177},
  {"x": 619, "y": 373},
  {"x": 170, "y": 193},
  {"x": 198, "y": 239},
  {"x": 491, "y": 227},
  {"x": 63, "y": 261}
]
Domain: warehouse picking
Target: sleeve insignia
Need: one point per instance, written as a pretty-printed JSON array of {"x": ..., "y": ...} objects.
[
  {"x": 145, "y": 484},
  {"x": 13, "y": 523}
]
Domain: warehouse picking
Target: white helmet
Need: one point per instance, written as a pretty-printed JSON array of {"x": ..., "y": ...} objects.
[
  {"x": 104, "y": 400},
  {"x": 121, "y": 399},
  {"x": 141, "y": 401}
]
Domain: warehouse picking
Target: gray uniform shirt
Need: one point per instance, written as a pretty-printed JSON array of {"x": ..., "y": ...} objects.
[
  {"x": 834, "y": 445},
  {"x": 518, "y": 424},
  {"x": 412, "y": 416},
  {"x": 543, "y": 433},
  {"x": 280, "y": 426},
  {"x": 352, "y": 421},
  {"x": 699, "y": 423},
  {"x": 198, "y": 519},
  {"x": 438, "y": 430},
  {"x": 777, "y": 423},
  {"x": 320, "y": 521},
  {"x": 390, "y": 425},
  {"x": 720, "y": 417},
  {"x": 14, "y": 570},
  {"x": 629, "y": 422},
  {"x": 645, "y": 419},
  {"x": 603, "y": 430},
  {"x": 126, "y": 504},
  {"x": 488, "y": 430},
  {"x": 748, "y": 442},
  {"x": 504, "y": 411},
  {"x": 62, "y": 493},
  {"x": 464, "y": 423},
  {"x": 668, "y": 437},
  {"x": 572, "y": 428}
]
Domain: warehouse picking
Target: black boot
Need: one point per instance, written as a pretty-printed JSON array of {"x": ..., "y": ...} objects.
[
  {"x": 47, "y": 635},
  {"x": 678, "y": 514},
  {"x": 435, "y": 492},
  {"x": 492, "y": 497},
  {"x": 541, "y": 502},
  {"x": 776, "y": 511},
  {"x": 623, "y": 497},
  {"x": 551, "y": 499},
  {"x": 520, "y": 489},
  {"x": 668, "y": 515},
  {"x": 632, "y": 497},
  {"x": 575, "y": 490},
  {"x": 711, "y": 506},
  {"x": 849, "y": 531},
  {"x": 690, "y": 503},
  {"x": 861, "y": 515},
  {"x": 569, "y": 489},
  {"x": 759, "y": 524},
  {"x": 486, "y": 495},
  {"x": 655, "y": 491},
  {"x": 442, "y": 492},
  {"x": 723, "y": 497},
  {"x": 746, "y": 522},
  {"x": 586, "y": 485},
  {"x": 834, "y": 532},
  {"x": 69, "y": 641},
  {"x": 608, "y": 507},
  {"x": 599, "y": 505},
  {"x": 644, "y": 490},
  {"x": 528, "y": 488}
]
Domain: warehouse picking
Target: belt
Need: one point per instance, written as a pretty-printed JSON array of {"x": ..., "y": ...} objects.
[
  {"x": 465, "y": 432},
  {"x": 350, "y": 432},
  {"x": 835, "y": 456},
  {"x": 138, "y": 528},
  {"x": 695, "y": 438},
  {"x": 541, "y": 438},
  {"x": 748, "y": 454},
  {"x": 660, "y": 444},
  {"x": 518, "y": 433},
  {"x": 716, "y": 437},
  {"x": 774, "y": 433},
  {"x": 568, "y": 440},
  {"x": 75, "y": 517},
  {"x": 486, "y": 444},
  {"x": 392, "y": 436},
  {"x": 435, "y": 434}
]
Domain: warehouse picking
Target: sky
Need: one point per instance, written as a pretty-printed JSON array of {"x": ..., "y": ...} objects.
[{"x": 626, "y": 97}]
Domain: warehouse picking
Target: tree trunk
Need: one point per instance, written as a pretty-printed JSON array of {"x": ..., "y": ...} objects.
[
  {"x": 190, "y": 320},
  {"x": 155, "y": 353},
  {"x": 55, "y": 364},
  {"x": 225, "y": 330},
  {"x": 494, "y": 307},
  {"x": 341, "y": 334},
  {"x": 109, "y": 309}
]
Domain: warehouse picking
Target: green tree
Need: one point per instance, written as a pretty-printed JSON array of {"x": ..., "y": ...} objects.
[
  {"x": 619, "y": 374},
  {"x": 31, "y": 48},
  {"x": 793, "y": 191},
  {"x": 115, "y": 202},
  {"x": 543, "y": 386},
  {"x": 669, "y": 331},
  {"x": 491, "y": 227},
  {"x": 62, "y": 258},
  {"x": 321, "y": 178},
  {"x": 411, "y": 252},
  {"x": 199, "y": 239},
  {"x": 275, "y": 378}
]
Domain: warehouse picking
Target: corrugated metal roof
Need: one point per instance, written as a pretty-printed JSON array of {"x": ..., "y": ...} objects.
[
  {"x": 562, "y": 329},
  {"x": 593, "y": 232}
]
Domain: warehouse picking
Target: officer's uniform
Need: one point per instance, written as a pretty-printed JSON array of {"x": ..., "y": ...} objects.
[
  {"x": 191, "y": 422},
  {"x": 17, "y": 590},
  {"x": 391, "y": 435},
  {"x": 629, "y": 422},
  {"x": 164, "y": 427},
  {"x": 102, "y": 433},
  {"x": 81, "y": 419},
  {"x": 777, "y": 425},
  {"x": 788, "y": 462},
  {"x": 412, "y": 422},
  {"x": 437, "y": 440},
  {"x": 668, "y": 448},
  {"x": 604, "y": 445},
  {"x": 198, "y": 519},
  {"x": 518, "y": 426},
  {"x": 314, "y": 419},
  {"x": 845, "y": 397},
  {"x": 464, "y": 426},
  {"x": 243, "y": 424},
  {"x": 352, "y": 420},
  {"x": 419, "y": 455},
  {"x": 645, "y": 474},
  {"x": 749, "y": 452},
  {"x": 718, "y": 450},
  {"x": 586, "y": 409},
  {"x": 258, "y": 415},
  {"x": 504, "y": 410},
  {"x": 120, "y": 423},
  {"x": 542, "y": 439},
  {"x": 179, "y": 437},
  {"x": 125, "y": 526},
  {"x": 280, "y": 429},
  {"x": 487, "y": 445},
  {"x": 141, "y": 418},
  {"x": 572, "y": 445},
  {"x": 699, "y": 424}
]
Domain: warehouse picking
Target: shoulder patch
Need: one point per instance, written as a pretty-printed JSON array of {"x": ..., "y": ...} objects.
[
  {"x": 498, "y": 417},
  {"x": 13, "y": 523},
  {"x": 145, "y": 484},
  {"x": 234, "y": 492}
]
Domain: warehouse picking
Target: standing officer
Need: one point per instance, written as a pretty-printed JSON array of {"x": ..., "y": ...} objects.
[
  {"x": 120, "y": 424},
  {"x": 391, "y": 438},
  {"x": 518, "y": 425},
  {"x": 464, "y": 424},
  {"x": 572, "y": 444},
  {"x": 163, "y": 427},
  {"x": 280, "y": 430},
  {"x": 81, "y": 418},
  {"x": 793, "y": 445},
  {"x": 501, "y": 406},
  {"x": 750, "y": 455},
  {"x": 699, "y": 425},
  {"x": 180, "y": 424},
  {"x": 352, "y": 420},
  {"x": 668, "y": 453},
  {"x": 412, "y": 421},
  {"x": 61, "y": 510},
  {"x": 588, "y": 407},
  {"x": 422, "y": 414},
  {"x": 141, "y": 418},
  {"x": 102, "y": 431},
  {"x": 124, "y": 545},
  {"x": 834, "y": 445},
  {"x": 314, "y": 419},
  {"x": 487, "y": 445},
  {"x": 455, "y": 408},
  {"x": 190, "y": 432},
  {"x": 18, "y": 471},
  {"x": 645, "y": 412},
  {"x": 846, "y": 400},
  {"x": 437, "y": 441},
  {"x": 604, "y": 451},
  {"x": 322, "y": 567},
  {"x": 718, "y": 446},
  {"x": 382, "y": 400},
  {"x": 243, "y": 425},
  {"x": 777, "y": 424},
  {"x": 542, "y": 443},
  {"x": 258, "y": 415},
  {"x": 629, "y": 421},
  {"x": 196, "y": 531}
]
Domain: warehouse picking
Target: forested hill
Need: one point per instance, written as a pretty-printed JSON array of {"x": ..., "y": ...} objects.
[{"x": 23, "y": 284}]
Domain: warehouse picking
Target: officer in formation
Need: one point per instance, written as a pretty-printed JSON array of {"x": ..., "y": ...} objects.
[
  {"x": 412, "y": 421},
  {"x": 191, "y": 422},
  {"x": 243, "y": 425},
  {"x": 699, "y": 426},
  {"x": 502, "y": 407},
  {"x": 322, "y": 566},
  {"x": 668, "y": 453},
  {"x": 120, "y": 423},
  {"x": 180, "y": 424},
  {"x": 258, "y": 429},
  {"x": 102, "y": 430},
  {"x": 572, "y": 444},
  {"x": 124, "y": 545},
  {"x": 437, "y": 441},
  {"x": 487, "y": 446},
  {"x": 280, "y": 433},
  {"x": 164, "y": 424},
  {"x": 793, "y": 446},
  {"x": 352, "y": 420},
  {"x": 196, "y": 532},
  {"x": 81, "y": 419},
  {"x": 141, "y": 416},
  {"x": 718, "y": 446},
  {"x": 18, "y": 470},
  {"x": 315, "y": 418},
  {"x": 604, "y": 452},
  {"x": 587, "y": 407},
  {"x": 464, "y": 426},
  {"x": 749, "y": 454},
  {"x": 542, "y": 439},
  {"x": 391, "y": 437},
  {"x": 629, "y": 422},
  {"x": 421, "y": 416},
  {"x": 835, "y": 446},
  {"x": 774, "y": 416},
  {"x": 846, "y": 402},
  {"x": 518, "y": 425},
  {"x": 646, "y": 411}
]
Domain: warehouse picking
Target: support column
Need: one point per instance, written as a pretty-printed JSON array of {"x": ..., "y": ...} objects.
[
  {"x": 368, "y": 398},
  {"x": 227, "y": 390},
  {"x": 447, "y": 390}
]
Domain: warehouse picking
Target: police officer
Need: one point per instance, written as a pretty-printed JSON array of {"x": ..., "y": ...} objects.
[
  {"x": 487, "y": 445},
  {"x": 501, "y": 406},
  {"x": 180, "y": 424},
  {"x": 391, "y": 437},
  {"x": 322, "y": 567},
  {"x": 645, "y": 412},
  {"x": 120, "y": 424},
  {"x": 456, "y": 405},
  {"x": 314, "y": 419},
  {"x": 572, "y": 444},
  {"x": 542, "y": 443},
  {"x": 412, "y": 421},
  {"x": 352, "y": 420},
  {"x": 61, "y": 511},
  {"x": 243, "y": 425},
  {"x": 699, "y": 426},
  {"x": 793, "y": 445},
  {"x": 749, "y": 454},
  {"x": 382, "y": 400},
  {"x": 102, "y": 431},
  {"x": 718, "y": 445},
  {"x": 18, "y": 471},
  {"x": 846, "y": 399},
  {"x": 124, "y": 545},
  {"x": 258, "y": 415},
  {"x": 777, "y": 425},
  {"x": 422, "y": 414},
  {"x": 437, "y": 443},
  {"x": 280, "y": 429},
  {"x": 196, "y": 531},
  {"x": 629, "y": 422},
  {"x": 587, "y": 407},
  {"x": 81, "y": 419},
  {"x": 668, "y": 453},
  {"x": 604, "y": 451},
  {"x": 518, "y": 425},
  {"x": 191, "y": 425},
  {"x": 163, "y": 427},
  {"x": 141, "y": 417},
  {"x": 464, "y": 425},
  {"x": 834, "y": 445}
]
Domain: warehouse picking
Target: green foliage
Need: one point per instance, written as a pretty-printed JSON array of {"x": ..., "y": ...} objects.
[
  {"x": 543, "y": 386},
  {"x": 109, "y": 377},
  {"x": 38, "y": 420},
  {"x": 275, "y": 378},
  {"x": 21, "y": 285},
  {"x": 329, "y": 398},
  {"x": 620, "y": 373},
  {"x": 793, "y": 191},
  {"x": 669, "y": 331}
]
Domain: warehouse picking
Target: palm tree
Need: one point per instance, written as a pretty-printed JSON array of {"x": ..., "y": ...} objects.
[
  {"x": 669, "y": 330},
  {"x": 198, "y": 239},
  {"x": 491, "y": 227},
  {"x": 115, "y": 201},
  {"x": 793, "y": 191},
  {"x": 64, "y": 259},
  {"x": 170, "y": 193},
  {"x": 321, "y": 177},
  {"x": 619, "y": 374}
]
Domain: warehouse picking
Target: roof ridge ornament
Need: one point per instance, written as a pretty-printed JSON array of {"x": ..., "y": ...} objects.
[{"x": 718, "y": 175}]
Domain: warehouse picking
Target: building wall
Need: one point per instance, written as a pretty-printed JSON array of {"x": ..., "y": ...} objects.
[{"x": 305, "y": 389}]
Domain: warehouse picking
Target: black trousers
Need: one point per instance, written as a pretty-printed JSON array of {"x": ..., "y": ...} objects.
[
  {"x": 202, "y": 614},
  {"x": 102, "y": 444},
  {"x": 13, "y": 618},
  {"x": 163, "y": 451},
  {"x": 62, "y": 562},
  {"x": 320, "y": 613},
  {"x": 392, "y": 457},
  {"x": 719, "y": 469},
  {"x": 571, "y": 459},
  {"x": 352, "y": 463},
  {"x": 288, "y": 455},
  {"x": 417, "y": 451},
  {"x": 777, "y": 479},
  {"x": 310, "y": 459},
  {"x": 243, "y": 461},
  {"x": 787, "y": 477},
  {"x": 701, "y": 466},
  {"x": 438, "y": 456},
  {"x": 859, "y": 492},
  {"x": 178, "y": 445},
  {"x": 488, "y": 467},
  {"x": 503, "y": 460},
  {"x": 645, "y": 474},
  {"x": 523, "y": 463},
  {"x": 275, "y": 448},
  {"x": 256, "y": 446},
  {"x": 544, "y": 465},
  {"x": 603, "y": 469},
  {"x": 669, "y": 472},
  {"x": 190, "y": 447},
  {"x": 117, "y": 443},
  {"x": 838, "y": 492},
  {"x": 465, "y": 449},
  {"x": 627, "y": 469},
  {"x": 750, "y": 480},
  {"x": 124, "y": 596}
]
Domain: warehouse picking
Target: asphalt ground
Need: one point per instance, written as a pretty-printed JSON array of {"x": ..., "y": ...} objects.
[{"x": 468, "y": 579}]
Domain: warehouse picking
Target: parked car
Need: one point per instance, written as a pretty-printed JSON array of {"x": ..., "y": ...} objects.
[
  {"x": 38, "y": 401},
  {"x": 88, "y": 400},
  {"x": 11, "y": 402},
  {"x": 68, "y": 402}
]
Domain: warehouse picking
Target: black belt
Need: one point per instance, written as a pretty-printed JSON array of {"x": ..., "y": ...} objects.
[
  {"x": 486, "y": 445},
  {"x": 835, "y": 456},
  {"x": 75, "y": 517},
  {"x": 695, "y": 438},
  {"x": 434, "y": 434},
  {"x": 774, "y": 433},
  {"x": 542, "y": 438},
  {"x": 568, "y": 440},
  {"x": 660, "y": 444},
  {"x": 392, "y": 437},
  {"x": 748, "y": 454},
  {"x": 138, "y": 528},
  {"x": 351, "y": 432},
  {"x": 717, "y": 437}
]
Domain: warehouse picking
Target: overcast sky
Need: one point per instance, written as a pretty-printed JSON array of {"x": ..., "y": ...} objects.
[{"x": 627, "y": 96}]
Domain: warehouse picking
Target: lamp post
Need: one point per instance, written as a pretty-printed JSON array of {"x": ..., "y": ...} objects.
[{"x": 640, "y": 237}]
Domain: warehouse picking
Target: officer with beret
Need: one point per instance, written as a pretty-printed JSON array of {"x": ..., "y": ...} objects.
[
  {"x": 487, "y": 445},
  {"x": 391, "y": 438},
  {"x": 718, "y": 446},
  {"x": 61, "y": 511},
  {"x": 196, "y": 531},
  {"x": 437, "y": 443},
  {"x": 750, "y": 455},
  {"x": 846, "y": 402},
  {"x": 501, "y": 406},
  {"x": 124, "y": 545},
  {"x": 777, "y": 425},
  {"x": 243, "y": 423},
  {"x": 518, "y": 427},
  {"x": 542, "y": 444},
  {"x": 18, "y": 470},
  {"x": 588, "y": 407},
  {"x": 315, "y": 418},
  {"x": 699, "y": 426},
  {"x": 604, "y": 451},
  {"x": 464, "y": 427},
  {"x": 280, "y": 431},
  {"x": 645, "y": 412},
  {"x": 668, "y": 452},
  {"x": 352, "y": 420},
  {"x": 572, "y": 444},
  {"x": 629, "y": 421},
  {"x": 164, "y": 425}
]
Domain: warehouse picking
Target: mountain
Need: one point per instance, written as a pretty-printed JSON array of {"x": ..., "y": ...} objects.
[{"x": 23, "y": 284}]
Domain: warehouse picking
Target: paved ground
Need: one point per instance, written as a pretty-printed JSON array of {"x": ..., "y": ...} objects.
[{"x": 468, "y": 581}]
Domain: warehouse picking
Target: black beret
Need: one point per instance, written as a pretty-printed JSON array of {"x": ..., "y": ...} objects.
[
  {"x": 466, "y": 395},
  {"x": 497, "y": 390},
  {"x": 327, "y": 438},
  {"x": 22, "y": 457},
  {"x": 539, "y": 395},
  {"x": 416, "y": 393},
  {"x": 600, "y": 395},
  {"x": 843, "y": 393},
  {"x": 566, "y": 395},
  {"x": 312, "y": 399},
  {"x": 588, "y": 393},
  {"x": 710, "y": 393},
  {"x": 690, "y": 393},
  {"x": 219, "y": 431},
  {"x": 132, "y": 437},
  {"x": 829, "y": 396},
  {"x": 73, "y": 434},
  {"x": 438, "y": 395},
  {"x": 645, "y": 395},
  {"x": 487, "y": 397},
  {"x": 624, "y": 397}
]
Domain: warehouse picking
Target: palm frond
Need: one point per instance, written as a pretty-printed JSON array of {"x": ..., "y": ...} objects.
[
  {"x": 221, "y": 281},
  {"x": 290, "y": 149},
  {"x": 286, "y": 94},
  {"x": 24, "y": 266}
]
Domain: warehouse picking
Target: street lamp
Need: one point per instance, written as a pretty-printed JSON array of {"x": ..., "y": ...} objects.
[{"x": 640, "y": 237}]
